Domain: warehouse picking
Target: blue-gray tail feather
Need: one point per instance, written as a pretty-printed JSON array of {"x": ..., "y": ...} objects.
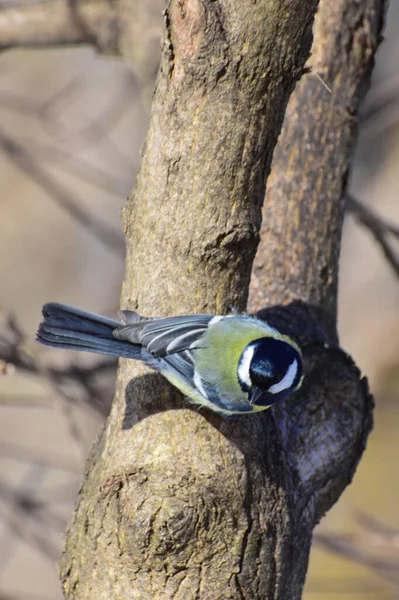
[{"x": 68, "y": 327}]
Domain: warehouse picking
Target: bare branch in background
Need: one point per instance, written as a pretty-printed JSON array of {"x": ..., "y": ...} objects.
[
  {"x": 68, "y": 162},
  {"x": 96, "y": 129},
  {"x": 27, "y": 517},
  {"x": 14, "y": 354},
  {"x": 361, "y": 549},
  {"x": 376, "y": 546},
  {"x": 378, "y": 534},
  {"x": 381, "y": 229},
  {"x": 381, "y": 111},
  {"x": 131, "y": 29},
  {"x": 22, "y": 512},
  {"x": 12, "y": 101},
  {"x": 112, "y": 239},
  {"x": 66, "y": 147},
  {"x": 58, "y": 23}
]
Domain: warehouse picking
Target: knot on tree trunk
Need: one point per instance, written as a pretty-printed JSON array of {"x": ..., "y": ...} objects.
[{"x": 324, "y": 428}]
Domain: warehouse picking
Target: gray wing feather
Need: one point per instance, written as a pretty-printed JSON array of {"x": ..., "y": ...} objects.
[
  {"x": 183, "y": 364},
  {"x": 130, "y": 317},
  {"x": 171, "y": 340},
  {"x": 164, "y": 336}
]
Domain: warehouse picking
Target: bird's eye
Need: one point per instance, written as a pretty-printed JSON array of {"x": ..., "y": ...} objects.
[{"x": 263, "y": 374}]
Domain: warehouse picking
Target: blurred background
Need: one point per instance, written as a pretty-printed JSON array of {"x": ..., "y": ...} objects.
[{"x": 71, "y": 127}]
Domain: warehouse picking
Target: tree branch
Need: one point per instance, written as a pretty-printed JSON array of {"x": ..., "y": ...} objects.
[
  {"x": 176, "y": 504},
  {"x": 126, "y": 28},
  {"x": 304, "y": 206},
  {"x": 60, "y": 22},
  {"x": 173, "y": 504},
  {"x": 59, "y": 194},
  {"x": 14, "y": 354}
]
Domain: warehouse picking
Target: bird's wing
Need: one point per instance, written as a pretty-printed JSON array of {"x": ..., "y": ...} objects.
[
  {"x": 162, "y": 337},
  {"x": 183, "y": 365},
  {"x": 202, "y": 392}
]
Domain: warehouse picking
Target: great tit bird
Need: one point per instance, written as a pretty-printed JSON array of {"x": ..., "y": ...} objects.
[{"x": 231, "y": 364}]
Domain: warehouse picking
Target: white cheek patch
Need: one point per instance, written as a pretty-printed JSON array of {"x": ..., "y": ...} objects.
[
  {"x": 243, "y": 367},
  {"x": 286, "y": 381},
  {"x": 198, "y": 384}
]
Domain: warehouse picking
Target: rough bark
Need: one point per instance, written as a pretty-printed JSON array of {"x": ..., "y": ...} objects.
[
  {"x": 176, "y": 504},
  {"x": 193, "y": 223},
  {"x": 180, "y": 504},
  {"x": 305, "y": 200}
]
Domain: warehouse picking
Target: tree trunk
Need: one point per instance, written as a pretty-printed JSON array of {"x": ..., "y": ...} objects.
[
  {"x": 305, "y": 200},
  {"x": 181, "y": 504}
]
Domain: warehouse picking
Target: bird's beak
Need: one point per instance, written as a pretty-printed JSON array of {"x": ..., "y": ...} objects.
[{"x": 256, "y": 393}]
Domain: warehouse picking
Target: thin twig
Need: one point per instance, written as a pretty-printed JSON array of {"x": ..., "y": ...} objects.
[
  {"x": 386, "y": 567},
  {"x": 381, "y": 110},
  {"x": 97, "y": 129},
  {"x": 69, "y": 162},
  {"x": 14, "y": 354},
  {"x": 19, "y": 520},
  {"x": 59, "y": 194},
  {"x": 67, "y": 156},
  {"x": 379, "y": 227}
]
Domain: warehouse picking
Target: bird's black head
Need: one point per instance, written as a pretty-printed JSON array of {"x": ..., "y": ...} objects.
[{"x": 269, "y": 369}]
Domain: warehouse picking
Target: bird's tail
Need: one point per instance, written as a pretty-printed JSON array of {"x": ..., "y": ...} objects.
[{"x": 68, "y": 327}]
